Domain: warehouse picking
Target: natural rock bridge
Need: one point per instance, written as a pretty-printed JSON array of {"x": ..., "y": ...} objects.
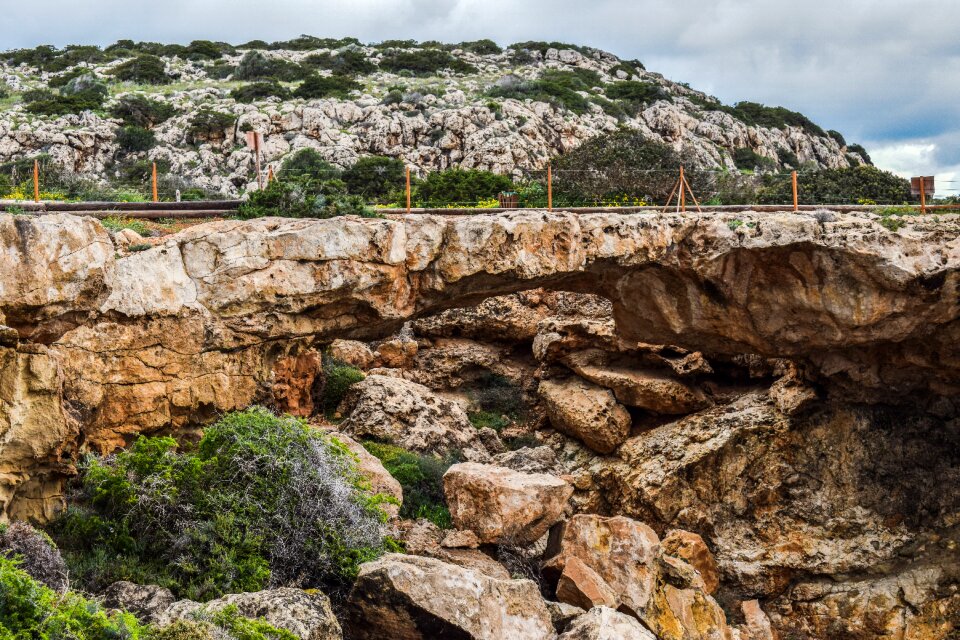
[{"x": 108, "y": 346}]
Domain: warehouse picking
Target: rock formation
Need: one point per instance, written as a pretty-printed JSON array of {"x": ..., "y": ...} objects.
[{"x": 781, "y": 448}]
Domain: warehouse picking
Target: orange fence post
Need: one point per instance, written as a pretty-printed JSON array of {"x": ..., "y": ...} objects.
[
  {"x": 683, "y": 193},
  {"x": 923, "y": 195},
  {"x": 796, "y": 202},
  {"x": 269, "y": 175},
  {"x": 156, "y": 196},
  {"x": 549, "y": 187},
  {"x": 408, "y": 189},
  {"x": 36, "y": 181}
]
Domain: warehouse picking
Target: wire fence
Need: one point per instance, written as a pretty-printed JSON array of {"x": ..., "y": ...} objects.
[{"x": 393, "y": 189}]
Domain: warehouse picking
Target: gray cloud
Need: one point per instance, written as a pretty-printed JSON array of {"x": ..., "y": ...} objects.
[{"x": 880, "y": 71}]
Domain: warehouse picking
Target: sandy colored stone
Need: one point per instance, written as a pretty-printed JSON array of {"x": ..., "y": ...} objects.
[
  {"x": 756, "y": 623},
  {"x": 581, "y": 586},
  {"x": 410, "y": 597},
  {"x": 457, "y": 539},
  {"x": 691, "y": 548},
  {"x": 587, "y": 412},
  {"x": 502, "y": 505},
  {"x": 352, "y": 352},
  {"x": 604, "y": 623},
  {"x": 294, "y": 379}
]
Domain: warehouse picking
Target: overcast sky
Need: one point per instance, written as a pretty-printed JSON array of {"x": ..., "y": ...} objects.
[{"x": 882, "y": 72}]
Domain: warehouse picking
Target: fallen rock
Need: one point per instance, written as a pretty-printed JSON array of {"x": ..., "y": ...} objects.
[
  {"x": 352, "y": 352},
  {"x": 756, "y": 624},
  {"x": 691, "y": 548},
  {"x": 644, "y": 389},
  {"x": 502, "y": 505},
  {"x": 396, "y": 353},
  {"x": 125, "y": 238},
  {"x": 306, "y": 615},
  {"x": 620, "y": 551},
  {"x": 562, "y": 614},
  {"x": 581, "y": 586},
  {"x": 457, "y": 539},
  {"x": 587, "y": 412},
  {"x": 409, "y": 415},
  {"x": 144, "y": 601},
  {"x": 604, "y": 623},
  {"x": 410, "y": 598},
  {"x": 370, "y": 467},
  {"x": 541, "y": 459}
]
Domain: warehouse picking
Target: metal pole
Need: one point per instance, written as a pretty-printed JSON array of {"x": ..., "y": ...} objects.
[
  {"x": 408, "y": 189},
  {"x": 156, "y": 197},
  {"x": 796, "y": 202},
  {"x": 36, "y": 181},
  {"x": 549, "y": 187}
]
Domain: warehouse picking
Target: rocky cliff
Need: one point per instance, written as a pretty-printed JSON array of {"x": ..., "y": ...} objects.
[
  {"x": 488, "y": 114},
  {"x": 784, "y": 387}
]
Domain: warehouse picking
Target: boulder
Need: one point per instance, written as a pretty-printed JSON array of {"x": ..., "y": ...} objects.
[
  {"x": 618, "y": 550},
  {"x": 691, "y": 548},
  {"x": 352, "y": 352},
  {"x": 562, "y": 614},
  {"x": 410, "y": 597},
  {"x": 307, "y": 615},
  {"x": 35, "y": 553},
  {"x": 756, "y": 625},
  {"x": 604, "y": 623},
  {"x": 502, "y": 505},
  {"x": 410, "y": 415},
  {"x": 644, "y": 389},
  {"x": 396, "y": 353},
  {"x": 587, "y": 412},
  {"x": 370, "y": 467},
  {"x": 144, "y": 601},
  {"x": 581, "y": 586}
]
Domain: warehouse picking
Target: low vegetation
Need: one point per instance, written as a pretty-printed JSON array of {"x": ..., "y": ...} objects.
[
  {"x": 421, "y": 476},
  {"x": 260, "y": 501}
]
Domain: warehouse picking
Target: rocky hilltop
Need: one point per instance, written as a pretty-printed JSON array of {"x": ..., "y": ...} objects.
[
  {"x": 733, "y": 427},
  {"x": 433, "y": 106}
]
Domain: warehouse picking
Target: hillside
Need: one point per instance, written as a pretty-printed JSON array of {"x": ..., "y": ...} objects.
[{"x": 473, "y": 105}]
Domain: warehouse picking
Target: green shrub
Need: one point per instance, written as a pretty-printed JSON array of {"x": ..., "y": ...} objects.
[
  {"x": 375, "y": 177},
  {"x": 133, "y": 139},
  {"x": 839, "y": 186},
  {"x": 836, "y": 135},
  {"x": 208, "y": 125},
  {"x": 207, "y": 49},
  {"x": 139, "y": 111},
  {"x": 303, "y": 198},
  {"x": 308, "y": 163},
  {"x": 541, "y": 47},
  {"x": 858, "y": 149},
  {"x": 774, "y": 117},
  {"x": 220, "y": 70},
  {"x": 558, "y": 88},
  {"x": 747, "y": 159},
  {"x": 31, "y": 611},
  {"x": 348, "y": 62},
  {"x": 628, "y": 69},
  {"x": 307, "y": 43},
  {"x": 498, "y": 395},
  {"x": 622, "y": 165},
  {"x": 484, "y": 47},
  {"x": 421, "y": 477},
  {"x": 81, "y": 93},
  {"x": 635, "y": 95},
  {"x": 338, "y": 377},
  {"x": 317, "y": 86},
  {"x": 256, "y": 66},
  {"x": 146, "y": 69},
  {"x": 259, "y": 91},
  {"x": 488, "y": 419},
  {"x": 423, "y": 62},
  {"x": 461, "y": 186},
  {"x": 261, "y": 500}
]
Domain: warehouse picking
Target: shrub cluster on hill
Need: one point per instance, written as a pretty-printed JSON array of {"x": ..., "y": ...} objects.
[
  {"x": 461, "y": 187},
  {"x": 140, "y": 111},
  {"x": 260, "y": 501},
  {"x": 145, "y": 69},
  {"x": 423, "y": 62},
  {"x": 349, "y": 62}
]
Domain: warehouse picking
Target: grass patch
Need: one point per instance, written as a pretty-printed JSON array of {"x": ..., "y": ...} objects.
[
  {"x": 114, "y": 223},
  {"x": 485, "y": 419}
]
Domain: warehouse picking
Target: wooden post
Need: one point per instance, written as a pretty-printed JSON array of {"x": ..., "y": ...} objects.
[
  {"x": 408, "y": 189},
  {"x": 256, "y": 150},
  {"x": 549, "y": 187},
  {"x": 923, "y": 195},
  {"x": 269, "y": 175},
  {"x": 683, "y": 193},
  {"x": 36, "y": 181},
  {"x": 156, "y": 197},
  {"x": 796, "y": 202}
]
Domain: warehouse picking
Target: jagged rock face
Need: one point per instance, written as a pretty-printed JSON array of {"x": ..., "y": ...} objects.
[
  {"x": 443, "y": 123},
  {"x": 166, "y": 338}
]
